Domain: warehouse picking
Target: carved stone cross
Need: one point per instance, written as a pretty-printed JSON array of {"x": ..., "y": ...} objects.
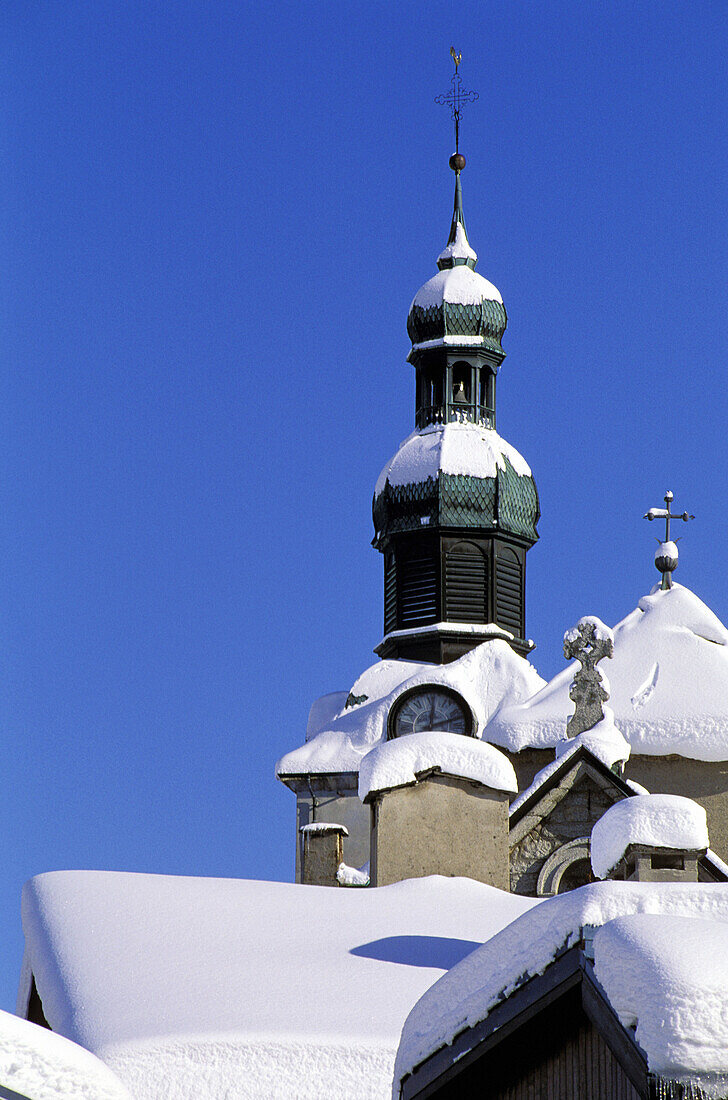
[{"x": 587, "y": 642}]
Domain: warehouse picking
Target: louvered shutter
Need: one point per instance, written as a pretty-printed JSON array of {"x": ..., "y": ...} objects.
[
  {"x": 417, "y": 591},
  {"x": 508, "y": 595},
  {"x": 390, "y": 593},
  {"x": 466, "y": 584}
]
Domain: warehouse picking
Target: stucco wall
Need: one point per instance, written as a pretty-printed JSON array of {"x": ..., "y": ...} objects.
[
  {"x": 440, "y": 826},
  {"x": 706, "y": 782},
  {"x": 527, "y": 762}
]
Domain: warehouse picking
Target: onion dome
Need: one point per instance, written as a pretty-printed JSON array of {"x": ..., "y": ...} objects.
[
  {"x": 456, "y": 475},
  {"x": 457, "y": 306}
]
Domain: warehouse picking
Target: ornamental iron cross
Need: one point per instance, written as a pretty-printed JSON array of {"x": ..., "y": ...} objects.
[
  {"x": 457, "y": 97},
  {"x": 666, "y": 514},
  {"x": 666, "y": 557}
]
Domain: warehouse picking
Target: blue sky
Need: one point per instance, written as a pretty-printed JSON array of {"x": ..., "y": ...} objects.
[{"x": 213, "y": 218}]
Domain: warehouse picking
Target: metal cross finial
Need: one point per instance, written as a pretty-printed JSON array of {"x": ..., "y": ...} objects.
[
  {"x": 457, "y": 97},
  {"x": 666, "y": 556}
]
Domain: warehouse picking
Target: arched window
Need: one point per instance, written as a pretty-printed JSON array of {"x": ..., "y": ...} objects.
[
  {"x": 565, "y": 869},
  {"x": 466, "y": 584},
  {"x": 461, "y": 383}
]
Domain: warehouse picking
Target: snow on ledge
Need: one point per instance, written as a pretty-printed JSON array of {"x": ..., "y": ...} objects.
[
  {"x": 324, "y": 827},
  {"x": 659, "y": 820},
  {"x": 398, "y": 763},
  {"x": 450, "y": 341},
  {"x": 603, "y": 741},
  {"x": 484, "y": 630}
]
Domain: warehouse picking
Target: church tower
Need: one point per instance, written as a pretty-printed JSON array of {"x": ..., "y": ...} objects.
[{"x": 455, "y": 510}]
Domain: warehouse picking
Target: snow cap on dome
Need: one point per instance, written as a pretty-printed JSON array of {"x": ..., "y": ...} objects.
[{"x": 458, "y": 448}]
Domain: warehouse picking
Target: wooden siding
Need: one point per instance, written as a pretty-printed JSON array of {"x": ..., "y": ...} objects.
[
  {"x": 559, "y": 1056},
  {"x": 583, "y": 1068},
  {"x": 555, "y": 1038}
]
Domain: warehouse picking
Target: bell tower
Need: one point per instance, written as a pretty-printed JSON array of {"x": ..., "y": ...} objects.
[{"x": 455, "y": 510}]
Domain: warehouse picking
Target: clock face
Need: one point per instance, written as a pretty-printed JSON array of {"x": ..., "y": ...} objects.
[{"x": 430, "y": 709}]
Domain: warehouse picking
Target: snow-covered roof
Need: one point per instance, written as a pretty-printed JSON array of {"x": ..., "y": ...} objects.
[
  {"x": 668, "y": 683},
  {"x": 666, "y": 976},
  {"x": 460, "y": 249},
  {"x": 459, "y": 285},
  {"x": 215, "y": 987},
  {"x": 398, "y": 763},
  {"x": 38, "y": 1064},
  {"x": 464, "y": 996},
  {"x": 457, "y": 448},
  {"x": 488, "y": 677},
  {"x": 659, "y": 820}
]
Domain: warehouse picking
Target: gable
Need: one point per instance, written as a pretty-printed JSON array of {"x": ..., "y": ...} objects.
[
  {"x": 549, "y": 835},
  {"x": 555, "y": 1036}
]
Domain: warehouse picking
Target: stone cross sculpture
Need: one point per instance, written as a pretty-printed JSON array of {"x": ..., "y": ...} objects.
[{"x": 587, "y": 642}]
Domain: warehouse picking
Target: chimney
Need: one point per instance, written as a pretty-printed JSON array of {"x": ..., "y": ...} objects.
[
  {"x": 322, "y": 850},
  {"x": 650, "y": 838}
]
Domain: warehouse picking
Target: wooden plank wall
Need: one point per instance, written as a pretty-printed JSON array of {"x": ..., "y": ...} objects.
[{"x": 582, "y": 1068}]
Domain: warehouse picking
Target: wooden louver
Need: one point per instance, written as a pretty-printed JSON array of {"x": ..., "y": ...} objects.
[
  {"x": 417, "y": 583},
  {"x": 508, "y": 592},
  {"x": 466, "y": 584}
]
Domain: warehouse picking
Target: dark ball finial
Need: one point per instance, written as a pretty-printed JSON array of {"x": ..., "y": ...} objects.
[{"x": 457, "y": 162}]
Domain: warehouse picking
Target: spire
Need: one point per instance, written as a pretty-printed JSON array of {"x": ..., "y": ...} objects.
[{"x": 457, "y": 251}]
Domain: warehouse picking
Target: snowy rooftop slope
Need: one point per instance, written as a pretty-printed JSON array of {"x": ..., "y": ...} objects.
[
  {"x": 488, "y": 677},
  {"x": 460, "y": 285},
  {"x": 323, "y": 710},
  {"x": 221, "y": 987},
  {"x": 464, "y": 996},
  {"x": 668, "y": 685},
  {"x": 36, "y": 1063},
  {"x": 662, "y": 820},
  {"x": 668, "y": 975},
  {"x": 458, "y": 448},
  {"x": 398, "y": 763},
  {"x": 377, "y": 680}
]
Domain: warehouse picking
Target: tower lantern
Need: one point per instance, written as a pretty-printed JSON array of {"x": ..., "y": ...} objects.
[{"x": 456, "y": 508}]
